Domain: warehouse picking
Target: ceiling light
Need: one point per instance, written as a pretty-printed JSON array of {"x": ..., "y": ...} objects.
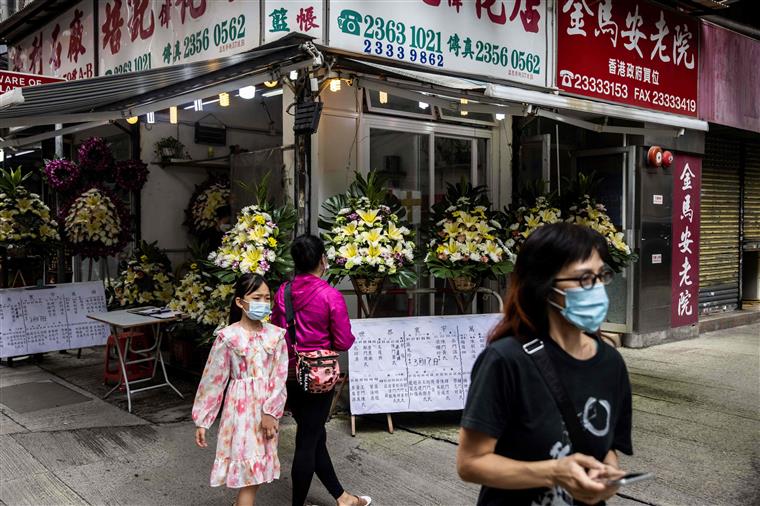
[
  {"x": 383, "y": 96},
  {"x": 224, "y": 99},
  {"x": 424, "y": 105},
  {"x": 205, "y": 102},
  {"x": 500, "y": 116},
  {"x": 270, "y": 84},
  {"x": 133, "y": 120},
  {"x": 293, "y": 75},
  {"x": 247, "y": 92},
  {"x": 198, "y": 104},
  {"x": 173, "y": 115},
  {"x": 335, "y": 85},
  {"x": 150, "y": 118},
  {"x": 272, "y": 93}
]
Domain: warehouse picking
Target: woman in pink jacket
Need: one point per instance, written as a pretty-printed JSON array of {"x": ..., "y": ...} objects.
[{"x": 321, "y": 324}]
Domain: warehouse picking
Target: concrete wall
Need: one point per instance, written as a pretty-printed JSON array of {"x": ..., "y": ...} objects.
[{"x": 168, "y": 190}]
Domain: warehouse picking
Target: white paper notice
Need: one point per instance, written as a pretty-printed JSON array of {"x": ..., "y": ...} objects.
[
  {"x": 415, "y": 363},
  {"x": 51, "y": 318}
]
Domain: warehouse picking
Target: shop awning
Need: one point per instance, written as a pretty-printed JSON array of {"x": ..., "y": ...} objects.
[
  {"x": 113, "y": 97},
  {"x": 495, "y": 97},
  {"x": 550, "y": 100}
]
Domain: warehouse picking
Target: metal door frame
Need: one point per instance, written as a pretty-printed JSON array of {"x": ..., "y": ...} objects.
[{"x": 630, "y": 196}]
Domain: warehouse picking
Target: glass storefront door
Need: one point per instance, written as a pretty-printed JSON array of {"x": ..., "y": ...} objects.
[
  {"x": 613, "y": 168},
  {"x": 418, "y": 167}
]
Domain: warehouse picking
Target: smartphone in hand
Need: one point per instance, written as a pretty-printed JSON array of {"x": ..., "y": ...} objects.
[{"x": 630, "y": 478}]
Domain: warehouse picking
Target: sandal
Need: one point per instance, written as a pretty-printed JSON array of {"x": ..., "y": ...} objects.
[{"x": 367, "y": 499}]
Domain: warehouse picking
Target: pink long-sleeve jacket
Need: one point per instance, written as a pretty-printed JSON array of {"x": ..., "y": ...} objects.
[{"x": 321, "y": 316}]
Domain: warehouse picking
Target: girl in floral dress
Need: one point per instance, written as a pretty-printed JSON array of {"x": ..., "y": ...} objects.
[{"x": 249, "y": 359}]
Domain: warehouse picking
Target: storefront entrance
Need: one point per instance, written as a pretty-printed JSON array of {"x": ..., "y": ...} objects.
[
  {"x": 420, "y": 159},
  {"x": 613, "y": 169}
]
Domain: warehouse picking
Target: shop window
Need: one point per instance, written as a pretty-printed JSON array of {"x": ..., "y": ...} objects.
[
  {"x": 472, "y": 118},
  {"x": 384, "y": 102},
  {"x": 404, "y": 158}
]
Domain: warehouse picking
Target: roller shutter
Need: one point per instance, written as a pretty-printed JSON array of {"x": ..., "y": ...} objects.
[
  {"x": 752, "y": 195},
  {"x": 719, "y": 249}
]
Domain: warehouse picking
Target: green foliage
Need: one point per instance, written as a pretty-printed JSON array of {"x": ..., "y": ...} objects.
[{"x": 10, "y": 180}]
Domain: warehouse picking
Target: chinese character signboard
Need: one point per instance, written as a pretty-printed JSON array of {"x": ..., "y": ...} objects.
[
  {"x": 282, "y": 17},
  {"x": 11, "y": 80},
  {"x": 137, "y": 35},
  {"x": 505, "y": 39},
  {"x": 628, "y": 51},
  {"x": 687, "y": 181},
  {"x": 63, "y": 48}
]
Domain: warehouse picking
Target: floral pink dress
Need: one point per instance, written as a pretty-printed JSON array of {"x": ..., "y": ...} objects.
[{"x": 256, "y": 367}]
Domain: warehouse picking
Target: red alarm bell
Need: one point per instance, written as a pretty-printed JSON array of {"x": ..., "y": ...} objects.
[
  {"x": 654, "y": 156},
  {"x": 667, "y": 158}
]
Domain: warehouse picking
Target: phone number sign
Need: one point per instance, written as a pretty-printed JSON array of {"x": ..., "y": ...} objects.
[
  {"x": 505, "y": 39},
  {"x": 628, "y": 51},
  {"x": 136, "y": 35}
]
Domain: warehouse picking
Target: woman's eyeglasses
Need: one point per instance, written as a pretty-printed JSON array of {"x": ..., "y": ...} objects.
[{"x": 589, "y": 279}]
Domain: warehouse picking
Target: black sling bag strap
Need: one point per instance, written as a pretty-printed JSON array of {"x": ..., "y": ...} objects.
[
  {"x": 535, "y": 349},
  {"x": 290, "y": 315}
]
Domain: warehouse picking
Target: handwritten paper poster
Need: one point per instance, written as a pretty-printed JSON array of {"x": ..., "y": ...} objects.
[
  {"x": 50, "y": 319},
  {"x": 415, "y": 363}
]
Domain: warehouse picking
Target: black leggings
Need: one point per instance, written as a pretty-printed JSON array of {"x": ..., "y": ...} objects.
[{"x": 310, "y": 412}]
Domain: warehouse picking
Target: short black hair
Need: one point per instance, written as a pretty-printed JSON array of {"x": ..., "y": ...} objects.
[{"x": 307, "y": 251}]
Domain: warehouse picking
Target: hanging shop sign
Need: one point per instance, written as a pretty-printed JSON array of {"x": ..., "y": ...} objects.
[
  {"x": 505, "y": 39},
  {"x": 290, "y": 16},
  {"x": 64, "y": 48},
  {"x": 687, "y": 182},
  {"x": 628, "y": 51},
  {"x": 137, "y": 35},
  {"x": 10, "y": 80}
]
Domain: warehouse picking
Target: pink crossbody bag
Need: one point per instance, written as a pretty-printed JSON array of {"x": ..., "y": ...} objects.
[{"x": 316, "y": 371}]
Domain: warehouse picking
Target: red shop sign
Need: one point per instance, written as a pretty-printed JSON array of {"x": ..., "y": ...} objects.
[
  {"x": 628, "y": 51},
  {"x": 684, "y": 284},
  {"x": 10, "y": 80}
]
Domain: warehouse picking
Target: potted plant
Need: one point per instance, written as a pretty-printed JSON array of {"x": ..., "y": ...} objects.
[{"x": 169, "y": 147}]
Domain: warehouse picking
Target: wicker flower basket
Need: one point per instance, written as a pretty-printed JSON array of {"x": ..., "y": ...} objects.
[
  {"x": 368, "y": 286},
  {"x": 464, "y": 284}
]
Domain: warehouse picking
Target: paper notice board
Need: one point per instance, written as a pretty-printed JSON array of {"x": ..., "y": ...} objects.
[
  {"x": 51, "y": 318},
  {"x": 415, "y": 363}
]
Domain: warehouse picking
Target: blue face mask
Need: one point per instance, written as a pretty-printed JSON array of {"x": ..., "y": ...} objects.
[
  {"x": 258, "y": 310},
  {"x": 586, "y": 309}
]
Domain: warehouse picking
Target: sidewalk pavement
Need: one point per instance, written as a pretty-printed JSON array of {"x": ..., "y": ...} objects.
[{"x": 696, "y": 414}]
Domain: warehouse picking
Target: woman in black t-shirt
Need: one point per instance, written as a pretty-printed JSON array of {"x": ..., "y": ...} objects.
[{"x": 513, "y": 439}]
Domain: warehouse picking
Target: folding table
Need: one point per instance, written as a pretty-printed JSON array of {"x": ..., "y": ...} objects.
[{"x": 122, "y": 320}]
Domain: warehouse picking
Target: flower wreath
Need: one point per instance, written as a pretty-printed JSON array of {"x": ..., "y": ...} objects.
[
  {"x": 95, "y": 155},
  {"x": 466, "y": 239},
  {"x": 203, "y": 298},
  {"x": 146, "y": 278},
  {"x": 208, "y": 199},
  {"x": 527, "y": 218},
  {"x": 259, "y": 242},
  {"x": 24, "y": 218},
  {"x": 62, "y": 174},
  {"x": 130, "y": 175},
  {"x": 590, "y": 213},
  {"x": 366, "y": 235},
  {"x": 95, "y": 223}
]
